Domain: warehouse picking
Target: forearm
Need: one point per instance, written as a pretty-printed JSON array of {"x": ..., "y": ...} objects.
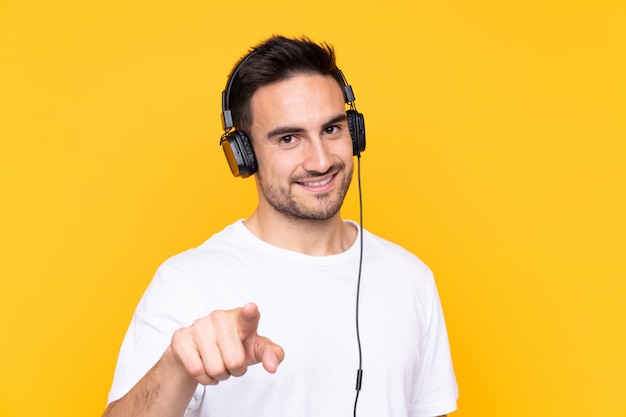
[{"x": 165, "y": 391}]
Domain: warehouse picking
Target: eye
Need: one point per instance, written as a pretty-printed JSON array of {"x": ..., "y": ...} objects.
[
  {"x": 330, "y": 130},
  {"x": 288, "y": 141}
]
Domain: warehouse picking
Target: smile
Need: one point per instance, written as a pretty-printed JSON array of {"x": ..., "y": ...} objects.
[{"x": 317, "y": 183}]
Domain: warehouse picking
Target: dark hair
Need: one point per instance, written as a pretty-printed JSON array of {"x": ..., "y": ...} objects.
[{"x": 276, "y": 59}]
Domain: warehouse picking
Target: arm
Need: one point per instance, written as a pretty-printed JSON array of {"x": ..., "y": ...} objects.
[
  {"x": 165, "y": 390},
  {"x": 215, "y": 347}
]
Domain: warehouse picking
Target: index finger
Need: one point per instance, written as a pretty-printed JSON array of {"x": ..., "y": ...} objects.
[{"x": 248, "y": 320}]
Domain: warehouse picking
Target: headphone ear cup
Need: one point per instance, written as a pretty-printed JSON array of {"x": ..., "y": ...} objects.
[
  {"x": 239, "y": 154},
  {"x": 356, "y": 125}
]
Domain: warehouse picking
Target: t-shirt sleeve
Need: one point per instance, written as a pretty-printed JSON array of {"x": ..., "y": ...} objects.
[
  {"x": 436, "y": 390},
  {"x": 164, "y": 307}
]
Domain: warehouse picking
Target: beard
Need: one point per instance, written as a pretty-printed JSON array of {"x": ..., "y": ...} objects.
[{"x": 325, "y": 206}]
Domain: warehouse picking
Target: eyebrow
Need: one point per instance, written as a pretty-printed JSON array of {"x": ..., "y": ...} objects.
[{"x": 282, "y": 130}]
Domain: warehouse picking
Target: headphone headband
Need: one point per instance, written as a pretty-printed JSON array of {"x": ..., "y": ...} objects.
[{"x": 227, "y": 118}]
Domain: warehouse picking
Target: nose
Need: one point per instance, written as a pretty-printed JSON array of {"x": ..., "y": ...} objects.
[{"x": 318, "y": 156}]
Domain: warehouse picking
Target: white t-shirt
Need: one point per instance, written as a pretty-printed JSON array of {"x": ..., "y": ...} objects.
[{"x": 307, "y": 306}]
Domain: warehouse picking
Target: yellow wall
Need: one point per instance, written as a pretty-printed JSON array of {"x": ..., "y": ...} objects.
[{"x": 496, "y": 147}]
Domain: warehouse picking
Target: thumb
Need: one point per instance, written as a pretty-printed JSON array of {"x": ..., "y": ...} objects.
[
  {"x": 269, "y": 353},
  {"x": 258, "y": 348}
]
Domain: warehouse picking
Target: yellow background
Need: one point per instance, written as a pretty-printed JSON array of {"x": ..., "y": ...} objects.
[{"x": 496, "y": 147}]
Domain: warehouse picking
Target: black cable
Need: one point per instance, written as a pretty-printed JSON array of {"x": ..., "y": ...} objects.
[{"x": 359, "y": 375}]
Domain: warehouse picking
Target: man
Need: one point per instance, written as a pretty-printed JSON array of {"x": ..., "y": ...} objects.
[{"x": 197, "y": 332}]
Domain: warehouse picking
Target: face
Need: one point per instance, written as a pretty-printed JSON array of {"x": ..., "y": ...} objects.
[{"x": 302, "y": 143}]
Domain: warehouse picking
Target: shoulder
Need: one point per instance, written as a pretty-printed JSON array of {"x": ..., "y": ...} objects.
[
  {"x": 388, "y": 268},
  {"x": 228, "y": 241},
  {"x": 185, "y": 282},
  {"x": 389, "y": 253}
]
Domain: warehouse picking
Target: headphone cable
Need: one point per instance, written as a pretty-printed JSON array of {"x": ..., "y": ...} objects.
[{"x": 359, "y": 375}]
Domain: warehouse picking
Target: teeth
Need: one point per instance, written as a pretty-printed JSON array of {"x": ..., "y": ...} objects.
[{"x": 318, "y": 183}]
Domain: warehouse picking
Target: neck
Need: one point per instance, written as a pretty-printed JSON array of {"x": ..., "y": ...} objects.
[{"x": 311, "y": 237}]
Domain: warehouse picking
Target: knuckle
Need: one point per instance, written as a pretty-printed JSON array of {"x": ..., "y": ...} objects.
[
  {"x": 216, "y": 319},
  {"x": 196, "y": 370},
  {"x": 235, "y": 364},
  {"x": 179, "y": 335},
  {"x": 217, "y": 372}
]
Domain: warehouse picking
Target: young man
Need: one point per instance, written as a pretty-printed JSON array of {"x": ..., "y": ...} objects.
[{"x": 197, "y": 331}]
